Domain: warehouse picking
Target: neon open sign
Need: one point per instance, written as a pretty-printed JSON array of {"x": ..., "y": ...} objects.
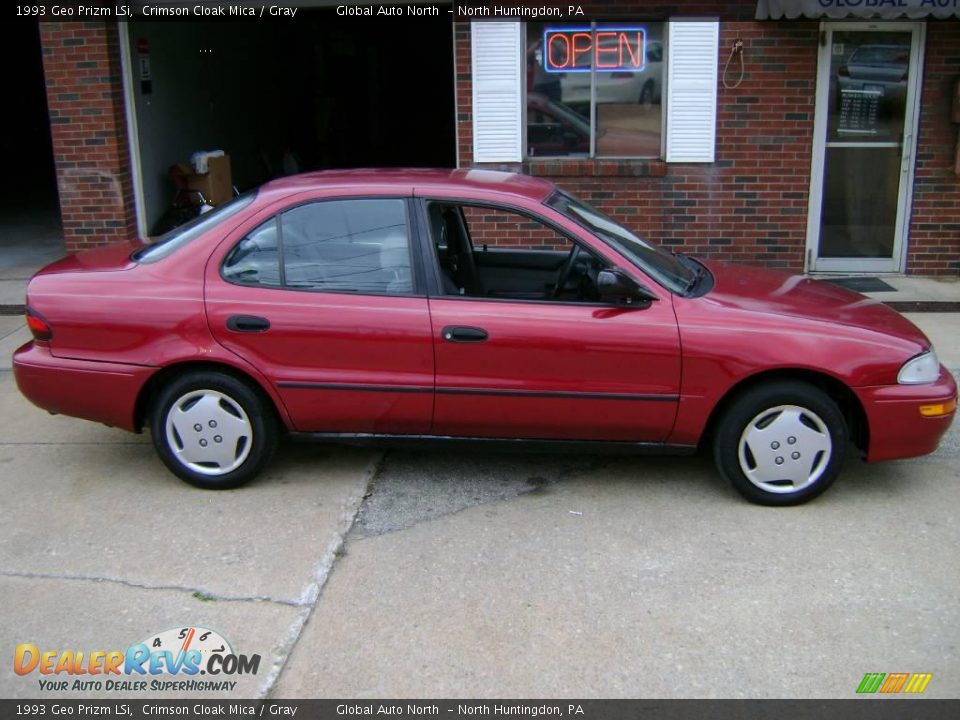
[{"x": 576, "y": 49}]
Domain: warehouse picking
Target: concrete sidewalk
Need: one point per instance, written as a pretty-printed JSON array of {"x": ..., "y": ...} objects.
[{"x": 30, "y": 238}]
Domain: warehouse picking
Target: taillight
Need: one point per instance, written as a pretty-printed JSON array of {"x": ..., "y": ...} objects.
[{"x": 38, "y": 325}]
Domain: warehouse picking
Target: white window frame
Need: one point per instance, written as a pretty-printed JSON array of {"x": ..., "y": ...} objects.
[
  {"x": 592, "y": 154},
  {"x": 508, "y": 78},
  {"x": 506, "y": 84},
  {"x": 690, "y": 103}
]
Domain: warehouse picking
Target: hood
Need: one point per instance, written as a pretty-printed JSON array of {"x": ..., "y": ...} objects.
[
  {"x": 101, "y": 259},
  {"x": 780, "y": 293}
]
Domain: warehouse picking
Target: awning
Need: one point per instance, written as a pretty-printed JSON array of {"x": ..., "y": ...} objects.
[{"x": 862, "y": 9}]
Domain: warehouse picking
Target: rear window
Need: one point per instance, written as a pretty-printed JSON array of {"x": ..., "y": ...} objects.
[{"x": 178, "y": 237}]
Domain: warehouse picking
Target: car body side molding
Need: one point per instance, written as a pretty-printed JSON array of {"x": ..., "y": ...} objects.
[
  {"x": 523, "y": 445},
  {"x": 574, "y": 395}
]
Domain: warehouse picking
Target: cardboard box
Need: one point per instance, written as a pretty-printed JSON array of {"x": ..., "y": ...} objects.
[{"x": 216, "y": 184}]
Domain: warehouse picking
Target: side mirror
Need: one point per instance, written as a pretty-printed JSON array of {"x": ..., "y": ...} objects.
[{"x": 615, "y": 286}]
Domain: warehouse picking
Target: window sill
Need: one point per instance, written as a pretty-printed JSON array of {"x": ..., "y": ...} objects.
[{"x": 585, "y": 167}]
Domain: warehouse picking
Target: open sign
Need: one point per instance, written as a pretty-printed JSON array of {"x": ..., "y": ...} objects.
[{"x": 578, "y": 49}]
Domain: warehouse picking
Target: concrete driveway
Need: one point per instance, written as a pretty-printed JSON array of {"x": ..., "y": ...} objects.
[
  {"x": 478, "y": 576},
  {"x": 101, "y": 547}
]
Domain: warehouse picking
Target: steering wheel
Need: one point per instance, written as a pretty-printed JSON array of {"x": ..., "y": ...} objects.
[{"x": 565, "y": 271}]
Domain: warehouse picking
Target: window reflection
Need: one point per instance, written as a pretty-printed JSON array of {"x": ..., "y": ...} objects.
[
  {"x": 624, "y": 118},
  {"x": 868, "y": 84},
  {"x": 629, "y": 114}
]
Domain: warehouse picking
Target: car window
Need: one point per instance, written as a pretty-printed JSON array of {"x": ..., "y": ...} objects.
[
  {"x": 498, "y": 253},
  {"x": 358, "y": 246},
  {"x": 180, "y": 236},
  {"x": 665, "y": 268},
  {"x": 255, "y": 260}
]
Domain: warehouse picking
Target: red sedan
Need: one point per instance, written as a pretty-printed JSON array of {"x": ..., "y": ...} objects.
[{"x": 427, "y": 306}]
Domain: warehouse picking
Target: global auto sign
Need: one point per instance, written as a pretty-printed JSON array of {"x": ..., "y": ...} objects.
[
  {"x": 901, "y": 4},
  {"x": 167, "y": 661},
  {"x": 571, "y": 50},
  {"x": 839, "y": 9}
]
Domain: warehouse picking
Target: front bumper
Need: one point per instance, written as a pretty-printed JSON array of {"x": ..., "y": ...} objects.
[
  {"x": 897, "y": 429},
  {"x": 99, "y": 391}
]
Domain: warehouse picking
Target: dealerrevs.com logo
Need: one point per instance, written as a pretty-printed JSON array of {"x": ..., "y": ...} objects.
[{"x": 171, "y": 660}]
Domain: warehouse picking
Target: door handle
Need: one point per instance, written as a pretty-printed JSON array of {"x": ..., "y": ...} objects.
[
  {"x": 906, "y": 152},
  {"x": 248, "y": 323},
  {"x": 462, "y": 334}
]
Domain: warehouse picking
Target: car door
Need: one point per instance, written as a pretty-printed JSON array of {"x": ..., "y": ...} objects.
[
  {"x": 545, "y": 368},
  {"x": 323, "y": 297}
]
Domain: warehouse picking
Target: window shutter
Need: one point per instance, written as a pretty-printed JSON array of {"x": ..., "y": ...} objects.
[
  {"x": 497, "y": 52},
  {"x": 692, "y": 90}
]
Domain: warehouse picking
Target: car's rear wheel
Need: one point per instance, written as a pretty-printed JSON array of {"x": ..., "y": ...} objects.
[
  {"x": 213, "y": 430},
  {"x": 781, "y": 443}
]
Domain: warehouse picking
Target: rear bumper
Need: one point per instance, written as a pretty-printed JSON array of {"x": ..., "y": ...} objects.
[
  {"x": 98, "y": 391},
  {"x": 897, "y": 429}
]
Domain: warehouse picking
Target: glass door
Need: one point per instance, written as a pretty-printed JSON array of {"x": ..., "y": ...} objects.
[{"x": 863, "y": 147}]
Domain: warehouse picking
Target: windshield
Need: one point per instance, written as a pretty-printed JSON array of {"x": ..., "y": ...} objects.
[
  {"x": 180, "y": 236},
  {"x": 665, "y": 268}
]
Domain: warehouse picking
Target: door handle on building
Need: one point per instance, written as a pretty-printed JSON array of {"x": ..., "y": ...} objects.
[{"x": 907, "y": 153}]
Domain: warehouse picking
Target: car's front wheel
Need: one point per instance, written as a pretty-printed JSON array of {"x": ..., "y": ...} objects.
[
  {"x": 781, "y": 443},
  {"x": 213, "y": 430}
]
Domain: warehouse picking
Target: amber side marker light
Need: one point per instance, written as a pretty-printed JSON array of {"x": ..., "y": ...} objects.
[
  {"x": 944, "y": 408},
  {"x": 38, "y": 325}
]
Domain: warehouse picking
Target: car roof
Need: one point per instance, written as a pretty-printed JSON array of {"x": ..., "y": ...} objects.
[{"x": 420, "y": 181}]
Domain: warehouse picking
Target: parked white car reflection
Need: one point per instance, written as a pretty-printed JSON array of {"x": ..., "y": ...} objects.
[
  {"x": 882, "y": 68},
  {"x": 621, "y": 86}
]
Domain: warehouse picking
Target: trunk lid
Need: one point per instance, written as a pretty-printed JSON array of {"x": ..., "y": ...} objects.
[{"x": 102, "y": 259}]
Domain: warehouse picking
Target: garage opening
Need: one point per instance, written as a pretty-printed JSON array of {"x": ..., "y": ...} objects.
[
  {"x": 319, "y": 92},
  {"x": 30, "y": 230}
]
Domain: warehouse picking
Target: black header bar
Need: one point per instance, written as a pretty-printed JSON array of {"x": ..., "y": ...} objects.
[
  {"x": 873, "y": 709},
  {"x": 289, "y": 10}
]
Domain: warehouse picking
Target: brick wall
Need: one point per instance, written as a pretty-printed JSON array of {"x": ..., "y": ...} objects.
[
  {"x": 935, "y": 225},
  {"x": 750, "y": 206},
  {"x": 502, "y": 229},
  {"x": 81, "y": 63}
]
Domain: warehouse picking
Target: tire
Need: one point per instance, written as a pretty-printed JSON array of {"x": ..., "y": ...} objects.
[
  {"x": 781, "y": 443},
  {"x": 237, "y": 433}
]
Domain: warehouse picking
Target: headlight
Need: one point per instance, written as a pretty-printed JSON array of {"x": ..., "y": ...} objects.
[{"x": 924, "y": 368}]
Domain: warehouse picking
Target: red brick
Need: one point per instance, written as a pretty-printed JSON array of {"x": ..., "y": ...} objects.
[{"x": 88, "y": 174}]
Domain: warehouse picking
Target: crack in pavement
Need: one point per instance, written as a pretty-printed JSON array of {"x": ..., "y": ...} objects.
[
  {"x": 313, "y": 590},
  {"x": 15, "y": 330},
  {"x": 204, "y": 595}
]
